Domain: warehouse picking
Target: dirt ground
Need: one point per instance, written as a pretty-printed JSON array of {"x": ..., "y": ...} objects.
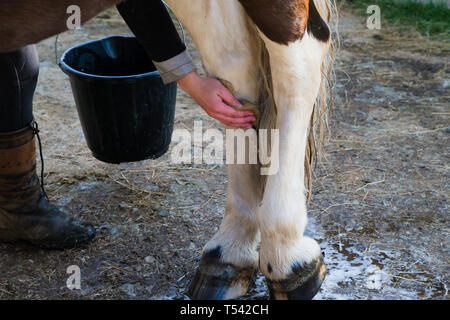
[{"x": 379, "y": 206}]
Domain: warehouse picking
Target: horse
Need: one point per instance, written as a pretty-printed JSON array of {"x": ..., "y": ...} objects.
[{"x": 277, "y": 54}]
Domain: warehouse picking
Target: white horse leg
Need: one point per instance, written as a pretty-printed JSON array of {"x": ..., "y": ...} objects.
[
  {"x": 291, "y": 261},
  {"x": 219, "y": 30}
]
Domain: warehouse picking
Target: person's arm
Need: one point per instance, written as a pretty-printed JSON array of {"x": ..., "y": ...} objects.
[{"x": 153, "y": 27}]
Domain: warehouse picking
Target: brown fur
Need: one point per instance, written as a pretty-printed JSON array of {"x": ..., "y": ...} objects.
[
  {"x": 282, "y": 21},
  {"x": 24, "y": 22}
]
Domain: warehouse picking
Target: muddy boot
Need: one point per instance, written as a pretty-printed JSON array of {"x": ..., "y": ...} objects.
[{"x": 25, "y": 214}]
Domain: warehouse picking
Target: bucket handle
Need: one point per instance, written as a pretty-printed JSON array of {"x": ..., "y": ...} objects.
[{"x": 56, "y": 48}]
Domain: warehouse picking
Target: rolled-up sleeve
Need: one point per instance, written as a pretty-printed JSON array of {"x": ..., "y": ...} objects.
[
  {"x": 176, "y": 67},
  {"x": 153, "y": 27}
]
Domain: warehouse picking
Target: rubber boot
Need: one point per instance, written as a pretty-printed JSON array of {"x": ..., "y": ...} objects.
[{"x": 25, "y": 214}]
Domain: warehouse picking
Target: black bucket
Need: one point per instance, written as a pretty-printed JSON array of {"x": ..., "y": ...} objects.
[{"x": 126, "y": 111}]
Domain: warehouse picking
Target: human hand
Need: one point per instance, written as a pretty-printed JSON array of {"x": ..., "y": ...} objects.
[{"x": 213, "y": 97}]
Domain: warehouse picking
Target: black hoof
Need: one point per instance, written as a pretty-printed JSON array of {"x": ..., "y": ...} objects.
[
  {"x": 302, "y": 284},
  {"x": 215, "y": 280}
]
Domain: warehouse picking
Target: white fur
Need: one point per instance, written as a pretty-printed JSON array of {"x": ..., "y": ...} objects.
[
  {"x": 220, "y": 34},
  {"x": 296, "y": 76}
]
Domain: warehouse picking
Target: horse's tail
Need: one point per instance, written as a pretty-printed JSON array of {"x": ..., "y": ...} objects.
[
  {"x": 322, "y": 108},
  {"x": 319, "y": 128}
]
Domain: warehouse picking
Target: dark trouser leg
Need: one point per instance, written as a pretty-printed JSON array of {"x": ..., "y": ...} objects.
[
  {"x": 25, "y": 214},
  {"x": 19, "y": 72}
]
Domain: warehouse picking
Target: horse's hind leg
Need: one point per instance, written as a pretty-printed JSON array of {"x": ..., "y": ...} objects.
[
  {"x": 230, "y": 258},
  {"x": 291, "y": 262}
]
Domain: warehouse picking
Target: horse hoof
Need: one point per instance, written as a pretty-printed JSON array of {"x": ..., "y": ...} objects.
[
  {"x": 302, "y": 284},
  {"x": 215, "y": 280}
]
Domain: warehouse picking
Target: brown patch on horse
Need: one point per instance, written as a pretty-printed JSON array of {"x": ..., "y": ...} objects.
[
  {"x": 282, "y": 21},
  {"x": 24, "y": 22},
  {"x": 286, "y": 21}
]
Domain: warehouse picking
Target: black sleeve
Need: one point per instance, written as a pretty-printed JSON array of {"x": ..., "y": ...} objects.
[{"x": 152, "y": 25}]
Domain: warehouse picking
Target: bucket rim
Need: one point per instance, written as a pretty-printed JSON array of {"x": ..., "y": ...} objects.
[{"x": 70, "y": 71}]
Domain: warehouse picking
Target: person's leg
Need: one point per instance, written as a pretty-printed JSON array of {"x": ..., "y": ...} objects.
[
  {"x": 18, "y": 78},
  {"x": 25, "y": 214}
]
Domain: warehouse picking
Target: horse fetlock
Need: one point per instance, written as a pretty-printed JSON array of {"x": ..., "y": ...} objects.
[
  {"x": 279, "y": 256},
  {"x": 302, "y": 283},
  {"x": 217, "y": 280}
]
